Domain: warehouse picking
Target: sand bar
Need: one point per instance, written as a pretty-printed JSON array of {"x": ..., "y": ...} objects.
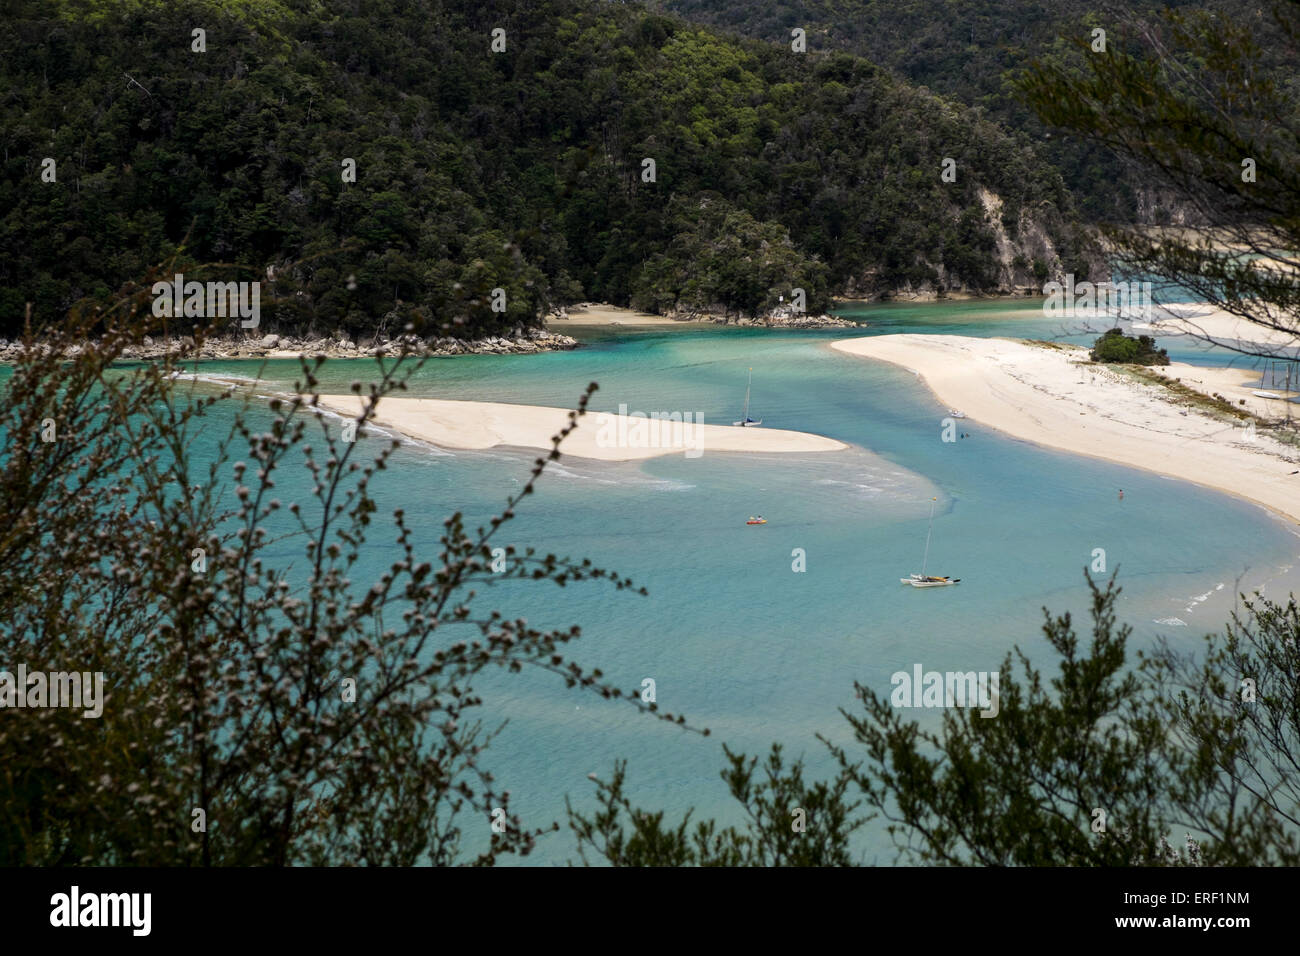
[
  {"x": 598, "y": 313},
  {"x": 1048, "y": 396},
  {"x": 600, "y": 435},
  {"x": 1209, "y": 324}
]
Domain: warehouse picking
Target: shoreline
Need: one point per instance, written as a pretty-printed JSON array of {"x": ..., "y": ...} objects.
[
  {"x": 931, "y": 296},
  {"x": 603, "y": 436},
  {"x": 273, "y": 346},
  {"x": 602, "y": 314},
  {"x": 1206, "y": 323},
  {"x": 1052, "y": 396}
]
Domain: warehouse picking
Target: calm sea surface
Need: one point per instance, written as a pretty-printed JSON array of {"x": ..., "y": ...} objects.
[{"x": 732, "y": 636}]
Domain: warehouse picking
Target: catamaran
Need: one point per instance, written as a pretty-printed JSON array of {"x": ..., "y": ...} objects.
[
  {"x": 924, "y": 580},
  {"x": 744, "y": 418}
]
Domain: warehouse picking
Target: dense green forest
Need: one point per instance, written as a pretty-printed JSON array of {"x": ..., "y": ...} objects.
[
  {"x": 971, "y": 51},
  {"x": 522, "y": 170}
]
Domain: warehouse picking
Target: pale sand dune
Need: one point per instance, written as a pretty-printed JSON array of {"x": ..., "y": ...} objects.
[
  {"x": 602, "y": 314},
  {"x": 1205, "y": 322},
  {"x": 600, "y": 435},
  {"x": 1034, "y": 393}
]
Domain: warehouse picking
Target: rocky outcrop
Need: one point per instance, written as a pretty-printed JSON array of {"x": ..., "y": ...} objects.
[
  {"x": 278, "y": 346},
  {"x": 778, "y": 319},
  {"x": 784, "y": 321},
  {"x": 1024, "y": 258}
]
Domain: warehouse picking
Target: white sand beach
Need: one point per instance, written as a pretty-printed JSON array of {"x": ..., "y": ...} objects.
[
  {"x": 599, "y": 313},
  {"x": 1207, "y": 323},
  {"x": 599, "y": 435},
  {"x": 1045, "y": 395}
]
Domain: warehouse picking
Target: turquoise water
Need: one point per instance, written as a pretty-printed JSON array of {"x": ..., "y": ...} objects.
[{"x": 733, "y": 637}]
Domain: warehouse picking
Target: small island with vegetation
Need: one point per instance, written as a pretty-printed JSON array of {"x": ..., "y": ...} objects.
[{"x": 1117, "y": 348}]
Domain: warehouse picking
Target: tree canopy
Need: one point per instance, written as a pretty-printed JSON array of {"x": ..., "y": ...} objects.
[{"x": 522, "y": 170}]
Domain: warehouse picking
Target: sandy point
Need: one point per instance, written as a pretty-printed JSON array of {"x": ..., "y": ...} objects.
[
  {"x": 1052, "y": 395},
  {"x": 600, "y": 313},
  {"x": 603, "y": 436}
]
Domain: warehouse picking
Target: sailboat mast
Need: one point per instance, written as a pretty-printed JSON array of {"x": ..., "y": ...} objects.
[
  {"x": 925, "y": 560},
  {"x": 744, "y": 418}
]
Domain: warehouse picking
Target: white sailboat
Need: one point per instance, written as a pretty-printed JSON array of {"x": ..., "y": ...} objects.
[
  {"x": 924, "y": 580},
  {"x": 745, "y": 420}
]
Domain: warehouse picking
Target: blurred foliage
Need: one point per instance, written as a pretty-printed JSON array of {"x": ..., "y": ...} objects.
[{"x": 1183, "y": 760}]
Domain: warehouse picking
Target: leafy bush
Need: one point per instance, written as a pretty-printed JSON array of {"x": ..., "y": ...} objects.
[
  {"x": 1116, "y": 347},
  {"x": 262, "y": 708},
  {"x": 1160, "y": 750}
]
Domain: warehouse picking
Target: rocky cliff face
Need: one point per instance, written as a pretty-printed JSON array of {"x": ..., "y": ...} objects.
[
  {"x": 1025, "y": 255},
  {"x": 1163, "y": 207}
]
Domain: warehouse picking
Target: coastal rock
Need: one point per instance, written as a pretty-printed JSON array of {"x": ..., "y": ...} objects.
[
  {"x": 777, "y": 319},
  {"x": 528, "y": 341}
]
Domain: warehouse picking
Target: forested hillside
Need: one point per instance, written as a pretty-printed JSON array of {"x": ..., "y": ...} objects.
[
  {"x": 970, "y": 50},
  {"x": 474, "y": 170}
]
